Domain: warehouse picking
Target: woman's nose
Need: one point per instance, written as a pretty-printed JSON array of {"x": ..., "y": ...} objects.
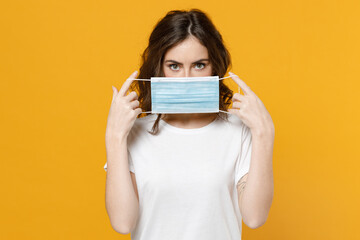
[{"x": 187, "y": 73}]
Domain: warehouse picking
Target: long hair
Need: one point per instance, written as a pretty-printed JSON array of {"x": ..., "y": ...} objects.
[{"x": 174, "y": 28}]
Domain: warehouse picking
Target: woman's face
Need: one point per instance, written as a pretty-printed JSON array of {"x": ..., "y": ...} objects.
[{"x": 187, "y": 59}]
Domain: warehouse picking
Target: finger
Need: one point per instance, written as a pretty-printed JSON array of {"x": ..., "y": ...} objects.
[
  {"x": 127, "y": 83},
  {"x": 238, "y": 97},
  {"x": 138, "y": 111},
  {"x": 131, "y": 96},
  {"x": 246, "y": 89},
  {"x": 236, "y": 105},
  {"x": 114, "y": 92},
  {"x": 232, "y": 111},
  {"x": 134, "y": 104}
]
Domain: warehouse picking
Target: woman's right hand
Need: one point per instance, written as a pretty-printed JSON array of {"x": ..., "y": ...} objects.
[{"x": 123, "y": 112}]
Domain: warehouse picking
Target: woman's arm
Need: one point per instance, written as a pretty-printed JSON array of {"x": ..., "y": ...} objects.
[
  {"x": 121, "y": 201},
  {"x": 258, "y": 193},
  {"x": 257, "y": 189}
]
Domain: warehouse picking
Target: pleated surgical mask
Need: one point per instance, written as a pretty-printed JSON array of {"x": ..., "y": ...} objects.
[{"x": 185, "y": 94}]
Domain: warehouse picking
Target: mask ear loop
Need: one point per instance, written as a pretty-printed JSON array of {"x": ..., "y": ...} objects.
[
  {"x": 143, "y": 80},
  {"x": 219, "y": 80},
  {"x": 238, "y": 89}
]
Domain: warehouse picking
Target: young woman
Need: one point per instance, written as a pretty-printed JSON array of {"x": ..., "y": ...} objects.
[{"x": 183, "y": 176}]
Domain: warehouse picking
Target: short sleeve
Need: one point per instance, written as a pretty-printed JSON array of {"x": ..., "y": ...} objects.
[
  {"x": 131, "y": 165},
  {"x": 243, "y": 161}
]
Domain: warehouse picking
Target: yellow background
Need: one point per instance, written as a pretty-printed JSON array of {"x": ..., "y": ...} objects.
[{"x": 59, "y": 59}]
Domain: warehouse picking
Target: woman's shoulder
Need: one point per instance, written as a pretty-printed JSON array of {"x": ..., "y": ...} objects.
[
  {"x": 141, "y": 126},
  {"x": 234, "y": 120},
  {"x": 235, "y": 124},
  {"x": 145, "y": 122}
]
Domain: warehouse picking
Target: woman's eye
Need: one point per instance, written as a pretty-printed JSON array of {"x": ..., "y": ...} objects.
[
  {"x": 173, "y": 65},
  {"x": 201, "y": 64}
]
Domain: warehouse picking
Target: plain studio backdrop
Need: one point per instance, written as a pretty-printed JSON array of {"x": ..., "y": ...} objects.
[{"x": 59, "y": 59}]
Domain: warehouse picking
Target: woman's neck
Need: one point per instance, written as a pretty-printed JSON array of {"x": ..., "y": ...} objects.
[{"x": 189, "y": 120}]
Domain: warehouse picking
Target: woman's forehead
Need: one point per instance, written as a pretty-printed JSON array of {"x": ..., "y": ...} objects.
[{"x": 190, "y": 48}]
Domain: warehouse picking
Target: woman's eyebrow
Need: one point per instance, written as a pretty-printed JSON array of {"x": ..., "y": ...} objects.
[{"x": 200, "y": 60}]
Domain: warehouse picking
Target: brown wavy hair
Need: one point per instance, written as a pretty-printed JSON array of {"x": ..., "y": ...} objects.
[{"x": 174, "y": 28}]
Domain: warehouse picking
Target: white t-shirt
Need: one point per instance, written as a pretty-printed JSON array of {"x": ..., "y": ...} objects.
[{"x": 186, "y": 179}]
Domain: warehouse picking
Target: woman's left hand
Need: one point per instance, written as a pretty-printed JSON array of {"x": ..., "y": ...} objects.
[{"x": 250, "y": 109}]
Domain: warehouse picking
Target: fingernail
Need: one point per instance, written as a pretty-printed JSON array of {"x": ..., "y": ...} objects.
[{"x": 135, "y": 72}]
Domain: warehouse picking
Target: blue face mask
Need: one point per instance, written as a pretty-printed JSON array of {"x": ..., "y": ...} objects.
[{"x": 184, "y": 94}]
